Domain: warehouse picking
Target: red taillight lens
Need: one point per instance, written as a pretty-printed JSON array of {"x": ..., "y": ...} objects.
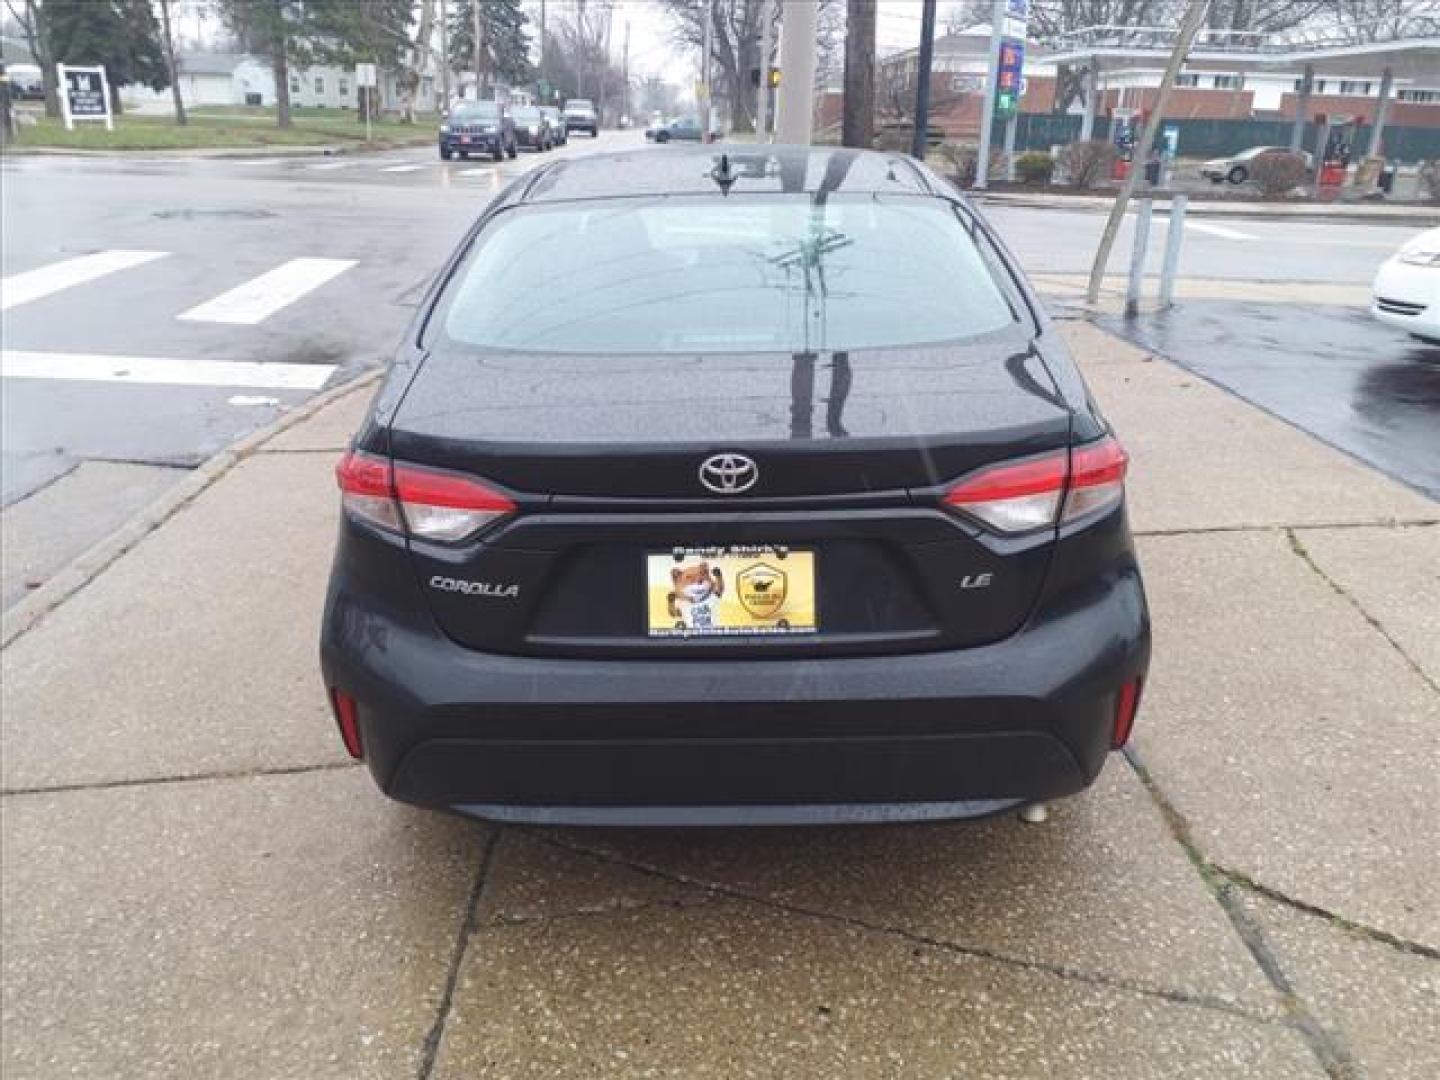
[
  {"x": 1063, "y": 486},
  {"x": 1127, "y": 704},
  {"x": 1014, "y": 497},
  {"x": 1097, "y": 478},
  {"x": 347, "y": 715},
  {"x": 432, "y": 504}
]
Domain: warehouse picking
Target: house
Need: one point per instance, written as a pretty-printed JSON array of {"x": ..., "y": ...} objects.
[{"x": 216, "y": 79}]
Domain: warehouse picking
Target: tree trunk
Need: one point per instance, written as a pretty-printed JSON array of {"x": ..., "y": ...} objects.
[
  {"x": 858, "y": 125},
  {"x": 180, "y": 117},
  {"x": 479, "y": 46},
  {"x": 116, "y": 108},
  {"x": 39, "y": 42},
  {"x": 281, "y": 66},
  {"x": 409, "y": 81}
]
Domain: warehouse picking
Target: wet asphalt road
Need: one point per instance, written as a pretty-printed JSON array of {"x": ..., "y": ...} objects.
[{"x": 1360, "y": 386}]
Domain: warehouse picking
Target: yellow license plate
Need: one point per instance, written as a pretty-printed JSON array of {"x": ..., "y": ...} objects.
[{"x": 730, "y": 591}]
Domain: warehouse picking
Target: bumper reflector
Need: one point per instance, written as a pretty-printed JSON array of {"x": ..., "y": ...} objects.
[
  {"x": 347, "y": 715},
  {"x": 1127, "y": 703}
]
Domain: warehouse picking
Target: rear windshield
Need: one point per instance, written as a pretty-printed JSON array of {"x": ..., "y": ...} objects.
[
  {"x": 487, "y": 111},
  {"x": 526, "y": 113},
  {"x": 723, "y": 275}
]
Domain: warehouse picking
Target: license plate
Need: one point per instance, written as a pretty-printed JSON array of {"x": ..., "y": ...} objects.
[
  {"x": 464, "y": 138},
  {"x": 731, "y": 591}
]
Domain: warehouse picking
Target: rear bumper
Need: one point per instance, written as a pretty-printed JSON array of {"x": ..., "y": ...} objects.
[
  {"x": 478, "y": 144},
  {"x": 718, "y": 741}
]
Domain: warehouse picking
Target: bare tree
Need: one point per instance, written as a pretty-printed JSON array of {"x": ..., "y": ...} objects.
[
  {"x": 28, "y": 18},
  {"x": 416, "y": 59},
  {"x": 169, "y": 43}
]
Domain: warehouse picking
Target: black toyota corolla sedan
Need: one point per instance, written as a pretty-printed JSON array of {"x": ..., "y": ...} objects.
[{"x": 794, "y": 509}]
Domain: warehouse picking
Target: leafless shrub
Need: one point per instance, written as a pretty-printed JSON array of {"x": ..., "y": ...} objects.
[
  {"x": 1277, "y": 172},
  {"x": 1088, "y": 163},
  {"x": 963, "y": 161}
]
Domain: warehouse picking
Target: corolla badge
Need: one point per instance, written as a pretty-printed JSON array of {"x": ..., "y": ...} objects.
[{"x": 729, "y": 474}]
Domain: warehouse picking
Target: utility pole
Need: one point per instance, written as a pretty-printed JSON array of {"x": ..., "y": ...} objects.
[
  {"x": 992, "y": 87},
  {"x": 706, "y": 117},
  {"x": 479, "y": 45},
  {"x": 584, "y": 48},
  {"x": 795, "y": 104},
  {"x": 544, "y": 45},
  {"x": 762, "y": 97},
  {"x": 922, "y": 80},
  {"x": 1189, "y": 25},
  {"x": 604, "y": 69},
  {"x": 444, "y": 59},
  {"x": 857, "y": 127},
  {"x": 625, "y": 71}
]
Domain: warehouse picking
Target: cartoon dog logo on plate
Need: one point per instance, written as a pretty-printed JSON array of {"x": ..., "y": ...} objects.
[{"x": 694, "y": 602}]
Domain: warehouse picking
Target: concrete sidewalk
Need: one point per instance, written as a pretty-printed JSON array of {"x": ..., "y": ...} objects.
[{"x": 197, "y": 882}]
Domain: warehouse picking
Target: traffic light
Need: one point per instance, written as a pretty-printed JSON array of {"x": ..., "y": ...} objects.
[{"x": 774, "y": 78}]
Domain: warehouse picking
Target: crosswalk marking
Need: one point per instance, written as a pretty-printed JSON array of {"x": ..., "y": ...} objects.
[
  {"x": 477, "y": 172},
  {"x": 260, "y": 297},
  {"x": 402, "y": 168},
  {"x": 31, "y": 285},
  {"x": 1219, "y": 230},
  {"x": 88, "y": 367},
  {"x": 327, "y": 166}
]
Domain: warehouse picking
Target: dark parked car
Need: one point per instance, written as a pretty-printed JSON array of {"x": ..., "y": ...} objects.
[
  {"x": 555, "y": 121},
  {"x": 478, "y": 127},
  {"x": 580, "y": 116},
  {"x": 531, "y": 131},
  {"x": 681, "y": 129},
  {"x": 796, "y": 511}
]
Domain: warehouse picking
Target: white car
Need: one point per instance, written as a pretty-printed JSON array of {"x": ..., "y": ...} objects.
[{"x": 1406, "y": 292}]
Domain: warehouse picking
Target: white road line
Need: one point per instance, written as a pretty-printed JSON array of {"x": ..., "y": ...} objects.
[
  {"x": 402, "y": 168},
  {"x": 21, "y": 288},
  {"x": 477, "y": 172},
  {"x": 1219, "y": 230},
  {"x": 260, "y": 297},
  {"x": 326, "y": 166},
  {"x": 87, "y": 367}
]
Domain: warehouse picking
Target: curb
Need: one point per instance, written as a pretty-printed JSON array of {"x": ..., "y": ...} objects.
[
  {"x": 1386, "y": 215},
  {"x": 65, "y": 583},
  {"x": 218, "y": 153}
]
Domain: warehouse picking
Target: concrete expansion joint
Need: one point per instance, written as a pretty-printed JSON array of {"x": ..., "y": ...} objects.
[
  {"x": 1298, "y": 547},
  {"x": 1328, "y": 1047},
  {"x": 1341, "y": 922},
  {"x": 469, "y": 924},
  {"x": 922, "y": 941},
  {"x": 1377, "y": 523},
  {"x": 600, "y": 911},
  {"x": 179, "y": 778}
]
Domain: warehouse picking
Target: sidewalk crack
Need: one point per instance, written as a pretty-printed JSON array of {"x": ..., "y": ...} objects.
[
  {"x": 180, "y": 778},
  {"x": 1298, "y": 547},
  {"x": 1328, "y": 1047},
  {"x": 1342, "y": 922},
  {"x": 1061, "y": 971},
  {"x": 430, "y": 1049}
]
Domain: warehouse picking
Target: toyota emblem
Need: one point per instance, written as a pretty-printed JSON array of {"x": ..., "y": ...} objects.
[{"x": 729, "y": 474}]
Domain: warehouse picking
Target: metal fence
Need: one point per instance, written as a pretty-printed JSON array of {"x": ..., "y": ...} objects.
[{"x": 1213, "y": 138}]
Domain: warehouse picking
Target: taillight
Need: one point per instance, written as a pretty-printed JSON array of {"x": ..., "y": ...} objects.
[
  {"x": 1097, "y": 479},
  {"x": 1127, "y": 704},
  {"x": 1039, "y": 492},
  {"x": 429, "y": 503},
  {"x": 347, "y": 715}
]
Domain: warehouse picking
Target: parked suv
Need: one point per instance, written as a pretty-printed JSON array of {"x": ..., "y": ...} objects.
[
  {"x": 580, "y": 116},
  {"x": 531, "y": 130},
  {"x": 797, "y": 510},
  {"x": 478, "y": 127}
]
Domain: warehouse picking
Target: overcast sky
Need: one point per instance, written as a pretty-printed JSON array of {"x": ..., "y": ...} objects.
[{"x": 654, "y": 52}]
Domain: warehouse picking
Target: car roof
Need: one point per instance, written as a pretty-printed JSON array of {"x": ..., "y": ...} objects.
[{"x": 812, "y": 170}]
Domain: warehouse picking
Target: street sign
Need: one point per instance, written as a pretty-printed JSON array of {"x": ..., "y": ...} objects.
[
  {"x": 1008, "y": 77},
  {"x": 365, "y": 75},
  {"x": 84, "y": 95}
]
